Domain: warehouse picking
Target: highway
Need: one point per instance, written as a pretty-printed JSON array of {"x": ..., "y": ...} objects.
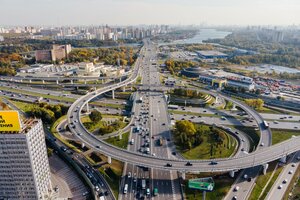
[
  {"x": 263, "y": 155},
  {"x": 282, "y": 182}
]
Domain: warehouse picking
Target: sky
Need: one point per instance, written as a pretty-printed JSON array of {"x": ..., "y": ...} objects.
[{"x": 135, "y": 12}]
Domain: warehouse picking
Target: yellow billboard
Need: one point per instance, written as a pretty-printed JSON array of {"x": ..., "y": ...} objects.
[{"x": 9, "y": 121}]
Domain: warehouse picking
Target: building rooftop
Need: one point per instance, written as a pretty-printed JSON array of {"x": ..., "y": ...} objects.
[
  {"x": 27, "y": 124},
  {"x": 211, "y": 53}
]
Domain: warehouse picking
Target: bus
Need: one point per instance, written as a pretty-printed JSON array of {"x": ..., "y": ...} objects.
[
  {"x": 125, "y": 188},
  {"x": 266, "y": 124}
]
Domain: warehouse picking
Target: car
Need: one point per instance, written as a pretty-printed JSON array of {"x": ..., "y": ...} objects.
[
  {"x": 174, "y": 153},
  {"x": 291, "y": 172},
  {"x": 236, "y": 188},
  {"x": 236, "y": 132},
  {"x": 262, "y": 144},
  {"x": 189, "y": 164},
  {"x": 249, "y": 179},
  {"x": 129, "y": 175},
  {"x": 242, "y": 149},
  {"x": 97, "y": 146},
  {"x": 284, "y": 181},
  {"x": 234, "y": 198},
  {"x": 279, "y": 186},
  {"x": 293, "y": 165},
  {"x": 168, "y": 165},
  {"x": 213, "y": 163},
  {"x": 163, "y": 124}
]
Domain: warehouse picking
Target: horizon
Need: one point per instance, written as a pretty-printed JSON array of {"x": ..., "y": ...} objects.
[{"x": 134, "y": 12}]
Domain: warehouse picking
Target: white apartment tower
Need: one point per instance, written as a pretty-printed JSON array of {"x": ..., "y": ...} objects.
[{"x": 24, "y": 165}]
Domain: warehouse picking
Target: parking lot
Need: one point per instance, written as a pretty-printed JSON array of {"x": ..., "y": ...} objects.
[{"x": 66, "y": 180}]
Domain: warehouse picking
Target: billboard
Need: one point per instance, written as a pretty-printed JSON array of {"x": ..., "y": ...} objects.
[
  {"x": 9, "y": 121},
  {"x": 206, "y": 184}
]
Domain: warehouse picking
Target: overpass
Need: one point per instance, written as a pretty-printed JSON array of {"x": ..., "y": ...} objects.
[{"x": 262, "y": 156}]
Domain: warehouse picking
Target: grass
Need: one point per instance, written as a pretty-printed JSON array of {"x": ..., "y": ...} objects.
[
  {"x": 112, "y": 174},
  {"x": 37, "y": 94},
  {"x": 261, "y": 181},
  {"x": 271, "y": 183},
  {"x": 95, "y": 126},
  {"x": 280, "y": 135},
  {"x": 119, "y": 143},
  {"x": 222, "y": 186},
  {"x": 293, "y": 187},
  {"x": 139, "y": 80},
  {"x": 202, "y": 151}
]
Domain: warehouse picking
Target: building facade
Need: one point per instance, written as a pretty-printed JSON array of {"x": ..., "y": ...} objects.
[
  {"x": 24, "y": 165},
  {"x": 57, "y": 52}
]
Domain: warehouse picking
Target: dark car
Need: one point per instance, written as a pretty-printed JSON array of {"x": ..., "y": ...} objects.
[
  {"x": 213, "y": 163},
  {"x": 189, "y": 164},
  {"x": 169, "y": 165},
  {"x": 174, "y": 153}
]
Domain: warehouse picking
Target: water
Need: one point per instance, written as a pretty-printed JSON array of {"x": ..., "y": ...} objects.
[
  {"x": 204, "y": 34},
  {"x": 270, "y": 68}
]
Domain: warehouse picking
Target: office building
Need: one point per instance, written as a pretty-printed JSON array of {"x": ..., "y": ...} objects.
[
  {"x": 24, "y": 165},
  {"x": 57, "y": 52}
]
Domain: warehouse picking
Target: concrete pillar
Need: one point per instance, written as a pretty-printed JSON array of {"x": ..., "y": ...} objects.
[
  {"x": 234, "y": 107},
  {"x": 283, "y": 159},
  {"x": 102, "y": 81},
  {"x": 124, "y": 89},
  {"x": 113, "y": 94},
  {"x": 108, "y": 159},
  {"x": 183, "y": 175},
  {"x": 87, "y": 108},
  {"x": 21, "y": 80},
  {"x": 131, "y": 88},
  {"x": 265, "y": 168},
  {"x": 57, "y": 82},
  {"x": 43, "y": 81},
  {"x": 231, "y": 174}
]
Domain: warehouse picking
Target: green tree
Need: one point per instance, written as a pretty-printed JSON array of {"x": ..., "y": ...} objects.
[{"x": 95, "y": 116}]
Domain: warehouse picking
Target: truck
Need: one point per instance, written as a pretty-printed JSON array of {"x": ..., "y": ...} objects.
[
  {"x": 143, "y": 184},
  {"x": 155, "y": 192}
]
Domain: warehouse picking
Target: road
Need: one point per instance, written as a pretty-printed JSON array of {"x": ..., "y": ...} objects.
[
  {"x": 284, "y": 179},
  {"x": 263, "y": 155},
  {"x": 153, "y": 107}
]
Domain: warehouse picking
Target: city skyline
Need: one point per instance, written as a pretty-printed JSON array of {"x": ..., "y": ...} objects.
[{"x": 99, "y": 12}]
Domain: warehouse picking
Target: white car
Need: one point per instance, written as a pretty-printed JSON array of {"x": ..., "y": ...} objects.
[
  {"x": 129, "y": 174},
  {"x": 279, "y": 186},
  {"x": 236, "y": 188}
]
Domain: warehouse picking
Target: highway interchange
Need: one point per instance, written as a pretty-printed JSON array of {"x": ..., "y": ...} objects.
[
  {"x": 163, "y": 165},
  {"x": 261, "y": 157}
]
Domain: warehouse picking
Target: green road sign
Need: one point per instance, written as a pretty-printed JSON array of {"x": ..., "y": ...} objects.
[{"x": 206, "y": 184}]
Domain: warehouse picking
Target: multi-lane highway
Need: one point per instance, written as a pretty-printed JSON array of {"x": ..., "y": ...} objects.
[{"x": 263, "y": 156}]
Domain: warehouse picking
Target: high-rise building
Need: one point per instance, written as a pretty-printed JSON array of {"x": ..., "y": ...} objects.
[{"x": 24, "y": 165}]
